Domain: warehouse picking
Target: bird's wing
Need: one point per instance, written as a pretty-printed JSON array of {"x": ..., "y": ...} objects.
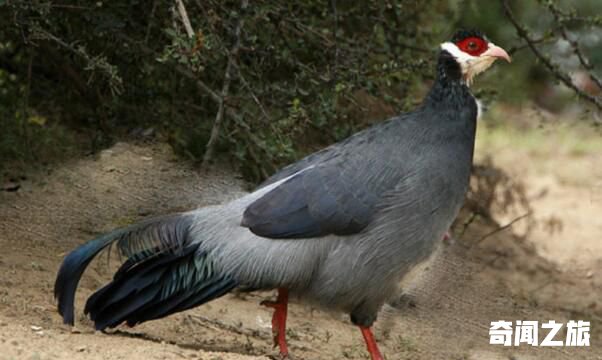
[
  {"x": 337, "y": 190},
  {"x": 337, "y": 196},
  {"x": 314, "y": 203}
]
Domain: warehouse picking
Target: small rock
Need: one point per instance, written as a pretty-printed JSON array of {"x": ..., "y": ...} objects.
[
  {"x": 148, "y": 132},
  {"x": 589, "y": 274},
  {"x": 81, "y": 348},
  {"x": 106, "y": 154},
  {"x": 136, "y": 131},
  {"x": 75, "y": 330},
  {"x": 40, "y": 333},
  {"x": 36, "y": 328},
  {"x": 592, "y": 305},
  {"x": 11, "y": 186},
  {"x": 146, "y": 158},
  {"x": 143, "y": 212}
]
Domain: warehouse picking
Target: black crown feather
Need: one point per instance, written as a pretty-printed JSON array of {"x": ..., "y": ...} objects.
[{"x": 463, "y": 34}]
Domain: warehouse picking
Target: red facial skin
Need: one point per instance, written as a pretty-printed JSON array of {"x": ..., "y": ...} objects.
[{"x": 474, "y": 46}]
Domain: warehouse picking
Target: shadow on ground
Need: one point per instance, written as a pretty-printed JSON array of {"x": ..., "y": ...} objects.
[{"x": 444, "y": 312}]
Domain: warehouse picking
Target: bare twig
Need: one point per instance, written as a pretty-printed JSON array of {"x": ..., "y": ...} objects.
[
  {"x": 26, "y": 107},
  {"x": 583, "y": 60},
  {"x": 545, "y": 60},
  {"x": 216, "y": 97},
  {"x": 336, "y": 43},
  {"x": 517, "y": 48},
  {"x": 225, "y": 87},
  {"x": 94, "y": 62},
  {"x": 246, "y": 84},
  {"x": 467, "y": 223},
  {"x": 234, "y": 328},
  {"x": 501, "y": 228},
  {"x": 73, "y": 7},
  {"x": 200, "y": 85},
  {"x": 218, "y": 117},
  {"x": 216, "y": 323},
  {"x": 184, "y": 17},
  {"x": 177, "y": 67},
  {"x": 150, "y": 21}
]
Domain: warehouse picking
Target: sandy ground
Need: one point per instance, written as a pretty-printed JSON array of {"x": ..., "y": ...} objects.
[{"x": 444, "y": 313}]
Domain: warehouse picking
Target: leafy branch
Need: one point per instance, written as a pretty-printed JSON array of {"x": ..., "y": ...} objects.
[
  {"x": 531, "y": 42},
  {"x": 215, "y": 131},
  {"x": 92, "y": 62},
  {"x": 561, "y": 18}
]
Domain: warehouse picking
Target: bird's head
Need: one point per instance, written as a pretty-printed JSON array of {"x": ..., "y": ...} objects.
[{"x": 473, "y": 52}]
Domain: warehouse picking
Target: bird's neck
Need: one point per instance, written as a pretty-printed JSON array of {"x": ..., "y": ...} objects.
[{"x": 449, "y": 88}]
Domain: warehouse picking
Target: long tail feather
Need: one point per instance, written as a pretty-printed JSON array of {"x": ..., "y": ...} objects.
[
  {"x": 139, "y": 242},
  {"x": 171, "y": 283}
]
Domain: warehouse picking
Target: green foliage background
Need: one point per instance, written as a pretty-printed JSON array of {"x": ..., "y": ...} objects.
[{"x": 79, "y": 75}]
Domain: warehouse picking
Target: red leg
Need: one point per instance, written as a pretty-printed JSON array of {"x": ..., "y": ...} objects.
[
  {"x": 371, "y": 343},
  {"x": 279, "y": 320}
]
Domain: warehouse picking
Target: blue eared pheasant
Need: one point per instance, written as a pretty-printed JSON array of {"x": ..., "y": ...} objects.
[{"x": 339, "y": 228}]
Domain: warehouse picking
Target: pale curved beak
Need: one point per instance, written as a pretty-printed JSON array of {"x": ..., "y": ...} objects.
[{"x": 497, "y": 52}]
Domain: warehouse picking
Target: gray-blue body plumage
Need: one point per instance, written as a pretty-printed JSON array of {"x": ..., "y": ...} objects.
[{"x": 339, "y": 228}]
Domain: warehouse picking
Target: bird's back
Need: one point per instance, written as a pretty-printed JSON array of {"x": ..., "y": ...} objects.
[{"x": 417, "y": 165}]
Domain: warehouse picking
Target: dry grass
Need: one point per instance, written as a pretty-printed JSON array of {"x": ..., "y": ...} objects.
[{"x": 567, "y": 147}]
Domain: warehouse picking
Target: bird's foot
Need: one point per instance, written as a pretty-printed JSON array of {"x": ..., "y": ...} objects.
[{"x": 280, "y": 307}]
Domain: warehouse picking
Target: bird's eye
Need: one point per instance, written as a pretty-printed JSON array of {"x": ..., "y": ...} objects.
[{"x": 473, "y": 45}]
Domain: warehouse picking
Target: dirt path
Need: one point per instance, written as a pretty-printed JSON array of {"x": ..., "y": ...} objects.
[{"x": 444, "y": 314}]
